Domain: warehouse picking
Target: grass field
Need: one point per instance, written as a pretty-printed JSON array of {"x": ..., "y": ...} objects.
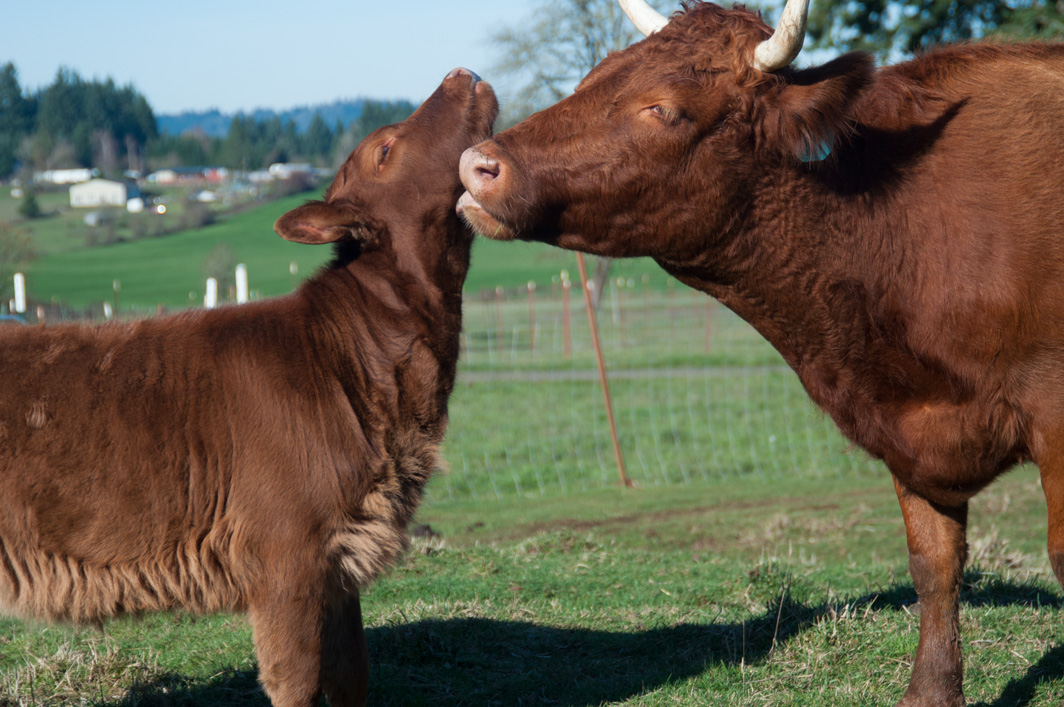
[
  {"x": 169, "y": 270},
  {"x": 759, "y": 561},
  {"x": 723, "y": 593},
  {"x": 62, "y": 229},
  {"x": 738, "y": 572}
]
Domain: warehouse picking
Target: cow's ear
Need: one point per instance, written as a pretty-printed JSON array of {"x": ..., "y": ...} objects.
[
  {"x": 320, "y": 222},
  {"x": 806, "y": 115}
]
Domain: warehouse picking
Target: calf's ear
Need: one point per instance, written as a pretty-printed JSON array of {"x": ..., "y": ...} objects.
[{"x": 319, "y": 222}]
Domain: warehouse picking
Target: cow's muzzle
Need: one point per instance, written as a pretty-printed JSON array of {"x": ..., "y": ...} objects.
[{"x": 486, "y": 179}]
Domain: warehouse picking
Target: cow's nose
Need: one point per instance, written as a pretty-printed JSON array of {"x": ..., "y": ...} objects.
[{"x": 479, "y": 172}]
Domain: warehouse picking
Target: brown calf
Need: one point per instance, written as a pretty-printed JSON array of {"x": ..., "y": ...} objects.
[
  {"x": 265, "y": 457},
  {"x": 896, "y": 233}
]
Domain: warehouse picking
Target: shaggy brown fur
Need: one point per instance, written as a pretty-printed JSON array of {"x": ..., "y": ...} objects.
[
  {"x": 265, "y": 457},
  {"x": 914, "y": 279}
]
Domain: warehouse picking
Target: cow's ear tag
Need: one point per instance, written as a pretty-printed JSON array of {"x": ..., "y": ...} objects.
[{"x": 817, "y": 151}]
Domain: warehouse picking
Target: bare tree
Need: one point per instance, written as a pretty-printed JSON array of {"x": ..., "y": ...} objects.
[
  {"x": 221, "y": 264},
  {"x": 558, "y": 45},
  {"x": 547, "y": 56},
  {"x": 16, "y": 250}
]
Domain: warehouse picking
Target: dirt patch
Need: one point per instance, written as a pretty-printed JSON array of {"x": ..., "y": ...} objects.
[{"x": 607, "y": 525}]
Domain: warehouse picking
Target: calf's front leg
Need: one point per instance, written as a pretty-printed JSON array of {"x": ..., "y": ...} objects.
[
  {"x": 287, "y": 629},
  {"x": 937, "y": 553},
  {"x": 345, "y": 656}
]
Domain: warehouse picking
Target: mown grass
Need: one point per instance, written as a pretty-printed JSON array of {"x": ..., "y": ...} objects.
[
  {"x": 759, "y": 561},
  {"x": 61, "y": 228},
  {"x": 712, "y": 593},
  {"x": 169, "y": 270}
]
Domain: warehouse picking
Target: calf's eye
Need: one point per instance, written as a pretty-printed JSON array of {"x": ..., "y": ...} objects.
[{"x": 383, "y": 151}]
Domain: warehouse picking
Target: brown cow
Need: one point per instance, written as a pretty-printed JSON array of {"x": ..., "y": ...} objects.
[
  {"x": 265, "y": 457},
  {"x": 896, "y": 233}
]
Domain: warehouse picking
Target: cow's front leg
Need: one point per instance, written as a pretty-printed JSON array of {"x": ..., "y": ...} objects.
[
  {"x": 1052, "y": 468},
  {"x": 937, "y": 552}
]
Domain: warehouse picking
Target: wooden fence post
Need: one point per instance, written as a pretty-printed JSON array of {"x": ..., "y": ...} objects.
[
  {"x": 602, "y": 371},
  {"x": 567, "y": 328},
  {"x": 532, "y": 317}
]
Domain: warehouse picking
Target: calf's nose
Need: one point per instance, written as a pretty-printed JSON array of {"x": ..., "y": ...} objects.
[
  {"x": 461, "y": 71},
  {"x": 479, "y": 172}
]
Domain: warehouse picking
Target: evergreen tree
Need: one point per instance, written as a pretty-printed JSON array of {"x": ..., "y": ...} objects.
[
  {"x": 236, "y": 149},
  {"x": 376, "y": 114},
  {"x": 17, "y": 114},
  {"x": 100, "y": 120},
  {"x": 890, "y": 29},
  {"x": 317, "y": 143},
  {"x": 29, "y": 208}
]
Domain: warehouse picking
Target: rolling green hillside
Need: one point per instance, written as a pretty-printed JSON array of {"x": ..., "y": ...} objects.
[
  {"x": 166, "y": 270},
  {"x": 170, "y": 270}
]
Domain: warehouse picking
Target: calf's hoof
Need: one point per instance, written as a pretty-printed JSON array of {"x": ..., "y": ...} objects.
[{"x": 953, "y": 700}]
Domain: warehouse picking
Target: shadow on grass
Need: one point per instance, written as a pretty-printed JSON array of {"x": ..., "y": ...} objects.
[
  {"x": 1020, "y": 692},
  {"x": 476, "y": 661},
  {"x": 979, "y": 589}
]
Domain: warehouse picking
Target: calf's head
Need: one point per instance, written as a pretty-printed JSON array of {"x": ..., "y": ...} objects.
[
  {"x": 398, "y": 188},
  {"x": 665, "y": 142}
]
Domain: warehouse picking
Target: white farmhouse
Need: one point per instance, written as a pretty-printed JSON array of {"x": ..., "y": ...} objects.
[
  {"x": 287, "y": 170},
  {"x": 65, "y": 176},
  {"x": 101, "y": 192}
]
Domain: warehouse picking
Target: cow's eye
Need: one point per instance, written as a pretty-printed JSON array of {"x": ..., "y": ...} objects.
[{"x": 662, "y": 113}]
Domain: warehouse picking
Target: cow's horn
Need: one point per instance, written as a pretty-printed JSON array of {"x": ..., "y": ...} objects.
[
  {"x": 783, "y": 46},
  {"x": 645, "y": 18}
]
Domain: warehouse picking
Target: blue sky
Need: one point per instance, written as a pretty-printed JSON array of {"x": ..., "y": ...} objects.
[{"x": 241, "y": 55}]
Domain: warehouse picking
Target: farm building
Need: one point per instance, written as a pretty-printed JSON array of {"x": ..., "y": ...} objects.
[
  {"x": 65, "y": 176},
  {"x": 102, "y": 192},
  {"x": 286, "y": 170},
  {"x": 189, "y": 175}
]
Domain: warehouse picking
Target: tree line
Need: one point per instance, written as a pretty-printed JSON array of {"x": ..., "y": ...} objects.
[
  {"x": 892, "y": 30},
  {"x": 70, "y": 123},
  {"x": 74, "y": 122},
  {"x": 254, "y": 144}
]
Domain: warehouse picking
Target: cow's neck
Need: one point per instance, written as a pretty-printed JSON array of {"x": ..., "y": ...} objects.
[{"x": 806, "y": 282}]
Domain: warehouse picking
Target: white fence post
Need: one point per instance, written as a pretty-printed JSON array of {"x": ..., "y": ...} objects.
[
  {"x": 210, "y": 296},
  {"x": 241, "y": 283},
  {"x": 20, "y": 293}
]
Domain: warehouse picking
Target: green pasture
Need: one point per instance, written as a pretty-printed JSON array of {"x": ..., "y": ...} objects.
[
  {"x": 759, "y": 560},
  {"x": 713, "y": 593},
  {"x": 170, "y": 270},
  {"x": 62, "y": 229},
  {"x": 55, "y": 230}
]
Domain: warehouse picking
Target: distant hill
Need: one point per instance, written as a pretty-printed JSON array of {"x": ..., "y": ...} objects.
[{"x": 216, "y": 124}]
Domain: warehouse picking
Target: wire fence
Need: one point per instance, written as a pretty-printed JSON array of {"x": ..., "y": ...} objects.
[{"x": 698, "y": 395}]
